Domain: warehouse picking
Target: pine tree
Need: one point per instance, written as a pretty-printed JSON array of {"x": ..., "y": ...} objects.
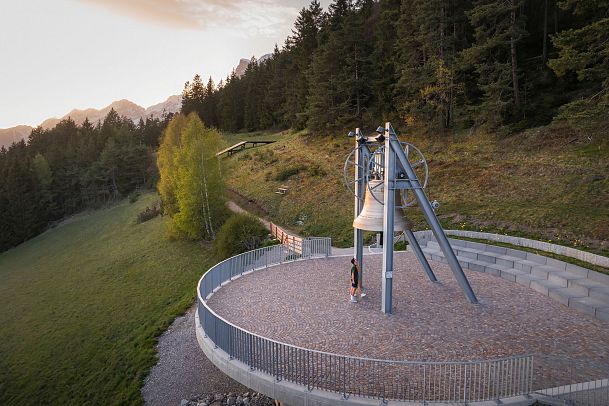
[
  {"x": 340, "y": 70},
  {"x": 24, "y": 212},
  {"x": 208, "y": 109},
  {"x": 43, "y": 173},
  {"x": 384, "y": 61},
  {"x": 193, "y": 96},
  {"x": 299, "y": 48},
  {"x": 498, "y": 28},
  {"x": 430, "y": 34},
  {"x": 585, "y": 51}
]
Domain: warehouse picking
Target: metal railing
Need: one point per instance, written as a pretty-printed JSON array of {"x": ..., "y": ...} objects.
[
  {"x": 573, "y": 382},
  {"x": 351, "y": 376}
]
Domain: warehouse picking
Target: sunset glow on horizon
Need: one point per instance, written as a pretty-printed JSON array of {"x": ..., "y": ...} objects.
[{"x": 67, "y": 54}]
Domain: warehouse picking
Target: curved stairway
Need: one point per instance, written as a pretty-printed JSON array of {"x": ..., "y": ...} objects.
[{"x": 571, "y": 285}]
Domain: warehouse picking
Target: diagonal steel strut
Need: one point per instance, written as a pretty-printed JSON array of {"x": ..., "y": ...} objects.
[{"x": 430, "y": 215}]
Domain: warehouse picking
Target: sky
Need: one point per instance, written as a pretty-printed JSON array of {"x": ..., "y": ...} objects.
[{"x": 56, "y": 55}]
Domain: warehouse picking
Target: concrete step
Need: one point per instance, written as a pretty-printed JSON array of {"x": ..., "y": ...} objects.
[
  {"x": 543, "y": 286},
  {"x": 564, "y": 278},
  {"x": 599, "y": 277},
  {"x": 525, "y": 265},
  {"x": 467, "y": 252},
  {"x": 542, "y": 271},
  {"x": 525, "y": 279},
  {"x": 565, "y": 295},
  {"x": 510, "y": 274},
  {"x": 467, "y": 255},
  {"x": 495, "y": 269},
  {"x": 571, "y": 285},
  {"x": 585, "y": 286},
  {"x": 434, "y": 245},
  {"x": 600, "y": 293},
  {"x": 474, "y": 260},
  {"x": 429, "y": 251},
  {"x": 591, "y": 306}
]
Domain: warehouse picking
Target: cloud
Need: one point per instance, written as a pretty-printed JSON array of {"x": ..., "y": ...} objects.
[{"x": 250, "y": 17}]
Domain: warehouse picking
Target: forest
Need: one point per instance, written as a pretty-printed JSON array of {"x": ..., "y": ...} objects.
[
  {"x": 431, "y": 65},
  {"x": 69, "y": 168}
]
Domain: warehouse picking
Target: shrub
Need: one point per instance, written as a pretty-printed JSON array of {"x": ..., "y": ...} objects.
[
  {"x": 149, "y": 213},
  {"x": 133, "y": 197},
  {"x": 287, "y": 172},
  {"x": 245, "y": 157},
  {"x": 269, "y": 242},
  {"x": 240, "y": 233},
  {"x": 316, "y": 170},
  {"x": 400, "y": 246}
]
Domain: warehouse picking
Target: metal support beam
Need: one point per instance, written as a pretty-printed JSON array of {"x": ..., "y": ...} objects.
[
  {"x": 388, "y": 222},
  {"x": 360, "y": 187},
  {"x": 419, "y": 252},
  {"x": 392, "y": 143}
]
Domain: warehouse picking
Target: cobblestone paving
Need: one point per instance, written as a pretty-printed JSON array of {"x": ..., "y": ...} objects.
[{"x": 307, "y": 304}]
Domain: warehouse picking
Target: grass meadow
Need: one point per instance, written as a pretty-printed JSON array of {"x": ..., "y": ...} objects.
[
  {"x": 545, "y": 184},
  {"x": 82, "y": 304}
]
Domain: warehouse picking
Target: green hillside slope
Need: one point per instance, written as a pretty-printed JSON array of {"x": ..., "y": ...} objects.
[
  {"x": 544, "y": 183},
  {"x": 81, "y": 304}
]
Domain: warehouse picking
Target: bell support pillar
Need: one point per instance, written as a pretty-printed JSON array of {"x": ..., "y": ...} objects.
[
  {"x": 360, "y": 188},
  {"x": 388, "y": 223},
  {"x": 392, "y": 144}
]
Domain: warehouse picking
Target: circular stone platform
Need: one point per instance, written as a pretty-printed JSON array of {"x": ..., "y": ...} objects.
[{"x": 306, "y": 303}]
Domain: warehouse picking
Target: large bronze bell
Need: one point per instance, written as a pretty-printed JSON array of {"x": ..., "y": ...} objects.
[{"x": 371, "y": 216}]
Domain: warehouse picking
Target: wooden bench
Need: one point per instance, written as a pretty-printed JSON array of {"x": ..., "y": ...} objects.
[
  {"x": 282, "y": 190},
  {"x": 240, "y": 146}
]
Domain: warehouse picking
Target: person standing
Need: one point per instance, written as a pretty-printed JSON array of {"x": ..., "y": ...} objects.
[{"x": 354, "y": 280}]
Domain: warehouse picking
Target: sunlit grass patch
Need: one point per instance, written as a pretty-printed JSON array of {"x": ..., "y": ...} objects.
[{"x": 81, "y": 305}]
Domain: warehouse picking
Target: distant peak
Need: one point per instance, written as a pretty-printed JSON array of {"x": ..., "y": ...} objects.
[{"x": 244, "y": 63}]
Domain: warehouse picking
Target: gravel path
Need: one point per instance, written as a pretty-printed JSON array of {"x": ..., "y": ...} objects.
[{"x": 183, "y": 371}]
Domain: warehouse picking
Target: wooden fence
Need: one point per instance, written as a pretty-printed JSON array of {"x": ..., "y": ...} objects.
[{"x": 293, "y": 242}]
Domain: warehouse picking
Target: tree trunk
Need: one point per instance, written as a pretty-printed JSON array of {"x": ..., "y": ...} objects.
[
  {"x": 514, "y": 61},
  {"x": 357, "y": 84},
  {"x": 555, "y": 18},
  {"x": 544, "y": 56}
]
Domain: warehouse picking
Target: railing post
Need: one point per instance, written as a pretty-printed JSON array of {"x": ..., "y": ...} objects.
[
  {"x": 275, "y": 362},
  {"x": 230, "y": 343},
  {"x": 308, "y": 371},
  {"x": 465, "y": 385},
  {"x": 530, "y": 372},
  {"x": 344, "y": 374},
  {"x": 250, "y": 342},
  {"x": 215, "y": 332}
]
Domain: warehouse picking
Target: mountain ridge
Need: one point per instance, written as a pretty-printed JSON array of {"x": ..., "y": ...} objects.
[
  {"x": 123, "y": 107},
  {"x": 244, "y": 63}
]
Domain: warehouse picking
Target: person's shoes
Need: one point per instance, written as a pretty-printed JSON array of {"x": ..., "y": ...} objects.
[{"x": 353, "y": 299}]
